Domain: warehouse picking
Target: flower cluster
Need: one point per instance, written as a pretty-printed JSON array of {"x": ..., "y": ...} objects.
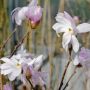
[
  {"x": 66, "y": 24},
  {"x": 32, "y": 12},
  {"x": 23, "y": 65}
]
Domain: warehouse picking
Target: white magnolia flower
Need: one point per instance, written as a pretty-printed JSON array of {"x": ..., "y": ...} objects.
[
  {"x": 66, "y": 24},
  {"x": 12, "y": 67}
]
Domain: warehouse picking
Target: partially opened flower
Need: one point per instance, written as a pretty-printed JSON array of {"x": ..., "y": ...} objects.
[
  {"x": 66, "y": 24},
  {"x": 33, "y": 12},
  {"x": 37, "y": 77},
  {"x": 7, "y": 87},
  {"x": 83, "y": 58}
]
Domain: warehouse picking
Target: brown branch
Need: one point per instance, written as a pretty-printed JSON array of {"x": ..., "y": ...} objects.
[
  {"x": 69, "y": 79},
  {"x": 5, "y": 42},
  {"x": 16, "y": 47},
  {"x": 30, "y": 84},
  {"x": 64, "y": 74}
]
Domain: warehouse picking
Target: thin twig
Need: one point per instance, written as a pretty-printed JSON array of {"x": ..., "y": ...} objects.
[
  {"x": 16, "y": 47},
  {"x": 69, "y": 79},
  {"x": 64, "y": 74},
  {"x": 30, "y": 84},
  {"x": 3, "y": 45}
]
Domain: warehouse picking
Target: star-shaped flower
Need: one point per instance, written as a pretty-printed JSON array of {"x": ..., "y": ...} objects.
[
  {"x": 33, "y": 12},
  {"x": 66, "y": 24},
  {"x": 13, "y": 66},
  {"x": 83, "y": 58}
]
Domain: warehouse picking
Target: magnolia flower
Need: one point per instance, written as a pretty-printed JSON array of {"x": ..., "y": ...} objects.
[
  {"x": 66, "y": 24},
  {"x": 33, "y": 12},
  {"x": 13, "y": 66},
  {"x": 83, "y": 58},
  {"x": 7, "y": 87}
]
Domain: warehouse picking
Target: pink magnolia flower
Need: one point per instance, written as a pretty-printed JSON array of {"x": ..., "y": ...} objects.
[
  {"x": 33, "y": 12},
  {"x": 7, "y": 87},
  {"x": 66, "y": 24},
  {"x": 83, "y": 58}
]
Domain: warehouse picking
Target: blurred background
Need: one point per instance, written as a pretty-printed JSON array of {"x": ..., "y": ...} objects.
[{"x": 43, "y": 39}]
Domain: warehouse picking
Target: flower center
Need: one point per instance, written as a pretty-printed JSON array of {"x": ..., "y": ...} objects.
[
  {"x": 18, "y": 65},
  {"x": 70, "y": 31}
]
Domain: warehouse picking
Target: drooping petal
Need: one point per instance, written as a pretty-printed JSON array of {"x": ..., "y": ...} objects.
[
  {"x": 84, "y": 27},
  {"x": 21, "y": 15},
  {"x": 14, "y": 13},
  {"x": 76, "y": 60},
  {"x": 66, "y": 40},
  {"x": 75, "y": 43}
]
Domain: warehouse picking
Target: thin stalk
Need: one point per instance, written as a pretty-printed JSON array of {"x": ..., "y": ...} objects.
[
  {"x": 64, "y": 73},
  {"x": 30, "y": 84},
  {"x": 69, "y": 79},
  {"x": 19, "y": 44},
  {"x": 5, "y": 42}
]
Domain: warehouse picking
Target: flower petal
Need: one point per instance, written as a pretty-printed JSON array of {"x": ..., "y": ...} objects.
[
  {"x": 11, "y": 77},
  {"x": 84, "y": 27},
  {"x": 76, "y": 60},
  {"x": 66, "y": 40},
  {"x": 6, "y": 60},
  {"x": 21, "y": 15},
  {"x": 14, "y": 74},
  {"x": 33, "y": 3},
  {"x": 6, "y": 71},
  {"x": 5, "y": 66},
  {"x": 75, "y": 43},
  {"x": 62, "y": 20},
  {"x": 58, "y": 27},
  {"x": 71, "y": 20}
]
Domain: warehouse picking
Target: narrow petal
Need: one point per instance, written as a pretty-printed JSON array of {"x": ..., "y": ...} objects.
[
  {"x": 14, "y": 13},
  {"x": 6, "y": 60},
  {"x": 5, "y": 66},
  {"x": 84, "y": 27},
  {"x": 58, "y": 27},
  {"x": 71, "y": 19},
  {"x": 6, "y": 71},
  {"x": 75, "y": 43},
  {"x": 38, "y": 62},
  {"x": 76, "y": 60},
  {"x": 62, "y": 20},
  {"x": 66, "y": 40}
]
